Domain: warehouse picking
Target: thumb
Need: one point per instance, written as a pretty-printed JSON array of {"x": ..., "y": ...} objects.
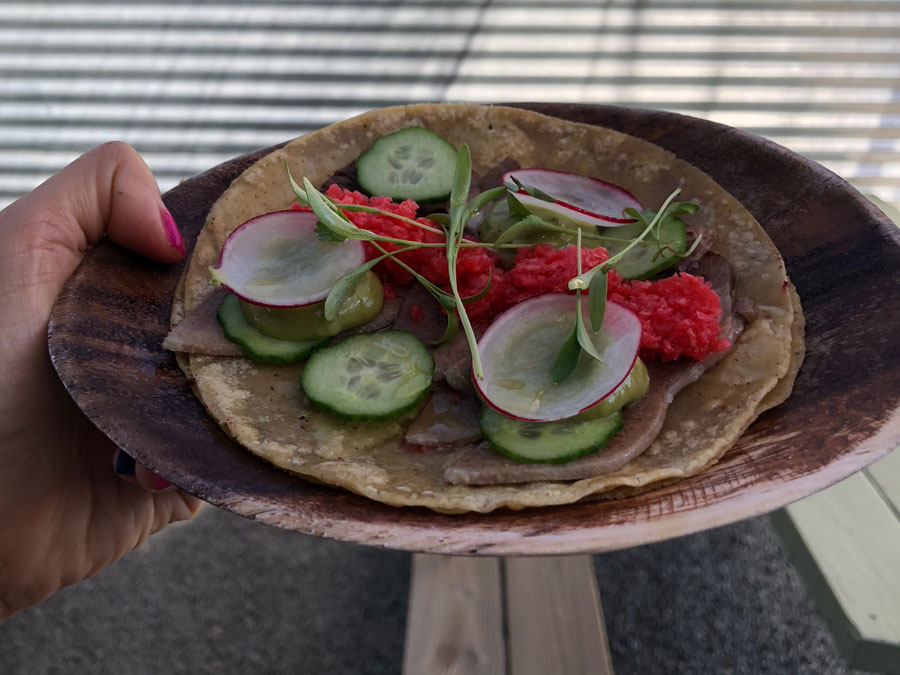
[{"x": 108, "y": 191}]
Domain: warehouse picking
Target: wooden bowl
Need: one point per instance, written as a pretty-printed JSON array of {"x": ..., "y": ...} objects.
[{"x": 841, "y": 252}]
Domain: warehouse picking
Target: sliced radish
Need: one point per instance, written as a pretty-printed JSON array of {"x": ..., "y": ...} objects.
[
  {"x": 580, "y": 199},
  {"x": 278, "y": 260},
  {"x": 518, "y": 350}
]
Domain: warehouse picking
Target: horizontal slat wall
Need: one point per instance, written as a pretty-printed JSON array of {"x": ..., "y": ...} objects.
[{"x": 192, "y": 84}]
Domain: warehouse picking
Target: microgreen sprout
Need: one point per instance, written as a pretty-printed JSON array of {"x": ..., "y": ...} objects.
[
  {"x": 579, "y": 338},
  {"x": 582, "y": 281},
  {"x": 334, "y": 224},
  {"x": 462, "y": 177}
]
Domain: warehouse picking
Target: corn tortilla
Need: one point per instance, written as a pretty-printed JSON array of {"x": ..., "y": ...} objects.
[{"x": 262, "y": 407}]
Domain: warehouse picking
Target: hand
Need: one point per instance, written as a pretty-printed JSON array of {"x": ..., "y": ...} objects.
[{"x": 64, "y": 513}]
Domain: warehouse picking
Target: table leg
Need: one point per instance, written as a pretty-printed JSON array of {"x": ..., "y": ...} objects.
[
  {"x": 455, "y": 618},
  {"x": 553, "y": 619}
]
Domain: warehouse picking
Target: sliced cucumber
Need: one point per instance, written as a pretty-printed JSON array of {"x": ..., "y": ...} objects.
[
  {"x": 645, "y": 260},
  {"x": 547, "y": 442},
  {"x": 412, "y": 163},
  {"x": 257, "y": 346},
  {"x": 373, "y": 376}
]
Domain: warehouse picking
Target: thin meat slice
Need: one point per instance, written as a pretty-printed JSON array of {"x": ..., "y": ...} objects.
[
  {"x": 448, "y": 419},
  {"x": 199, "y": 332},
  {"x": 453, "y": 363},
  {"x": 420, "y": 314},
  {"x": 643, "y": 420}
]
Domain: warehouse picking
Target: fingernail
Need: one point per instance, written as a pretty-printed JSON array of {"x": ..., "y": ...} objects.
[
  {"x": 172, "y": 233},
  {"x": 124, "y": 464},
  {"x": 160, "y": 483}
]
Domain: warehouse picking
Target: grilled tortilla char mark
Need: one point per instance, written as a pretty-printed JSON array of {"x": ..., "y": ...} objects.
[{"x": 643, "y": 419}]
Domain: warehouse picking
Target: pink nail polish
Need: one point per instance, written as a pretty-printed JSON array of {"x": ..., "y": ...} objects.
[
  {"x": 172, "y": 233},
  {"x": 160, "y": 483}
]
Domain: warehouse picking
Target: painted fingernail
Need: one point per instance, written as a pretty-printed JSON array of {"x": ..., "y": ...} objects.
[
  {"x": 172, "y": 233},
  {"x": 160, "y": 483},
  {"x": 124, "y": 464}
]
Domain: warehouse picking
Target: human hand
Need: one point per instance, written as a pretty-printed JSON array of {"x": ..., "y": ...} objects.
[{"x": 64, "y": 513}]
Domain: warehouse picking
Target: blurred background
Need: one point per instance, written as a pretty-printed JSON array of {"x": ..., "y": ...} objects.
[{"x": 191, "y": 84}]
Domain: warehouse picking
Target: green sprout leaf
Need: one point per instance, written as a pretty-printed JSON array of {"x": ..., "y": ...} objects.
[
  {"x": 462, "y": 178},
  {"x": 442, "y": 219},
  {"x": 597, "y": 299},
  {"x": 480, "y": 200},
  {"x": 583, "y": 281},
  {"x": 567, "y": 357},
  {"x": 584, "y": 338},
  {"x": 516, "y": 208},
  {"x": 299, "y": 191},
  {"x": 331, "y": 217},
  {"x": 480, "y": 294},
  {"x": 533, "y": 191},
  {"x": 450, "y": 331},
  {"x": 327, "y": 234},
  {"x": 531, "y": 224},
  {"x": 579, "y": 338}
]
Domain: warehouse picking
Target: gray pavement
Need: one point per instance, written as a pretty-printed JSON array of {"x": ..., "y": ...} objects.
[{"x": 225, "y": 595}]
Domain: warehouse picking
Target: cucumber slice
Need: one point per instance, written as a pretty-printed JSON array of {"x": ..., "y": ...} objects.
[
  {"x": 257, "y": 346},
  {"x": 372, "y": 377},
  {"x": 547, "y": 442},
  {"x": 412, "y": 163},
  {"x": 643, "y": 261}
]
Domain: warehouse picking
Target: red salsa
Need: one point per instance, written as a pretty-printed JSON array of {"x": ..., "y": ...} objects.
[{"x": 679, "y": 314}]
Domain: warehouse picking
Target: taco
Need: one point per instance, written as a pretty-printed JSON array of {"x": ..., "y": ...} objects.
[{"x": 693, "y": 410}]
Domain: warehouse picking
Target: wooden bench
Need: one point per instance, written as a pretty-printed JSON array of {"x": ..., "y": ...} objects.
[
  {"x": 845, "y": 542},
  {"x": 493, "y": 616}
]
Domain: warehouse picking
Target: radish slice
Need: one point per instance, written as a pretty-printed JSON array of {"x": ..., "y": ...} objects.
[
  {"x": 518, "y": 350},
  {"x": 581, "y": 199},
  {"x": 278, "y": 260}
]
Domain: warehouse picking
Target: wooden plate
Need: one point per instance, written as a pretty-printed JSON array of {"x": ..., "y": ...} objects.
[{"x": 841, "y": 252}]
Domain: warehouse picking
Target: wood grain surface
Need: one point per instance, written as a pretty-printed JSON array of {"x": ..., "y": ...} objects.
[
  {"x": 554, "y": 616},
  {"x": 841, "y": 252},
  {"x": 454, "y": 625}
]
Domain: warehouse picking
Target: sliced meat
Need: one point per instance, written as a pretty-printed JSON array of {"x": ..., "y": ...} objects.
[
  {"x": 453, "y": 363},
  {"x": 448, "y": 418},
  {"x": 706, "y": 243},
  {"x": 494, "y": 177},
  {"x": 643, "y": 420},
  {"x": 746, "y": 309},
  {"x": 200, "y": 332},
  {"x": 344, "y": 178},
  {"x": 420, "y": 314}
]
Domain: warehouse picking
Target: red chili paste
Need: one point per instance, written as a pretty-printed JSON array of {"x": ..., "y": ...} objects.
[{"x": 679, "y": 314}]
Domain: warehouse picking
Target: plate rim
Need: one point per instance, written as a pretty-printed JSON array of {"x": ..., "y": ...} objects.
[{"x": 754, "y": 500}]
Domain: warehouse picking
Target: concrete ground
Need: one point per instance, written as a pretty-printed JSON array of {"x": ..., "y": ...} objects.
[{"x": 225, "y": 595}]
